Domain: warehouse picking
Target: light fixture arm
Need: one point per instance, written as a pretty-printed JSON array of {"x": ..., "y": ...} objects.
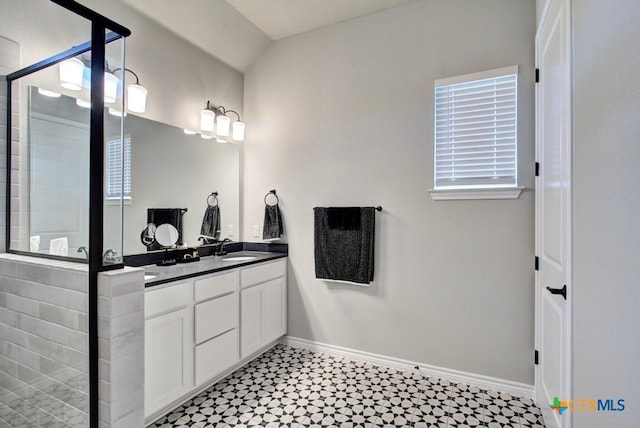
[
  {"x": 220, "y": 109},
  {"x": 234, "y": 112},
  {"x": 130, "y": 71}
]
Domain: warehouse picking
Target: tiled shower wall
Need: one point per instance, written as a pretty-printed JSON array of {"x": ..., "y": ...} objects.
[
  {"x": 43, "y": 352},
  {"x": 9, "y": 62},
  {"x": 44, "y": 343}
]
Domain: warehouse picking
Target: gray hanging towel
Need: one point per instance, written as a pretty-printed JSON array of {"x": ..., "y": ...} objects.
[
  {"x": 211, "y": 222},
  {"x": 344, "y": 241},
  {"x": 272, "y": 227}
]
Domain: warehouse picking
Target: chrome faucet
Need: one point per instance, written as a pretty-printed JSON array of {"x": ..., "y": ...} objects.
[
  {"x": 83, "y": 250},
  {"x": 222, "y": 252},
  {"x": 110, "y": 256},
  {"x": 206, "y": 240}
]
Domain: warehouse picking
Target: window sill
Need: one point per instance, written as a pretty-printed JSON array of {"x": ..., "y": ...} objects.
[
  {"x": 116, "y": 201},
  {"x": 489, "y": 193}
]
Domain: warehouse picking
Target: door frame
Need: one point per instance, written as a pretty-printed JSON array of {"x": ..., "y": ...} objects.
[{"x": 568, "y": 231}]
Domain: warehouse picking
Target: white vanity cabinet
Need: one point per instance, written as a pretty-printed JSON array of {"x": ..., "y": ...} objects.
[
  {"x": 263, "y": 316},
  {"x": 168, "y": 345},
  {"x": 196, "y": 330},
  {"x": 216, "y": 325}
]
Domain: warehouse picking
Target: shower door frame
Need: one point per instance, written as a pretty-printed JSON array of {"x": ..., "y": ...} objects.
[{"x": 99, "y": 38}]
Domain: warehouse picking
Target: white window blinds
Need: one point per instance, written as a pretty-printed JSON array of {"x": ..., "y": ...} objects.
[
  {"x": 475, "y": 144},
  {"x": 118, "y": 168}
]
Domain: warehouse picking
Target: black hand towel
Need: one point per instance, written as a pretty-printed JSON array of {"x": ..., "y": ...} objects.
[
  {"x": 272, "y": 227},
  {"x": 160, "y": 216},
  {"x": 344, "y": 243},
  {"x": 347, "y": 218},
  {"x": 211, "y": 222}
]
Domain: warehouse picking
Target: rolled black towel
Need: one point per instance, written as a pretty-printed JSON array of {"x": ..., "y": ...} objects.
[
  {"x": 272, "y": 227},
  {"x": 211, "y": 222}
]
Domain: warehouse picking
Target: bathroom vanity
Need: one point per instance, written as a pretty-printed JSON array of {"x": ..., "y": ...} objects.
[{"x": 204, "y": 320}]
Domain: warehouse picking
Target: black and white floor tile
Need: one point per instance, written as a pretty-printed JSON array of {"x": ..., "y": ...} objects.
[{"x": 297, "y": 388}]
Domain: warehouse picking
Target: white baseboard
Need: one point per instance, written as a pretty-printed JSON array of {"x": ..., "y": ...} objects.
[{"x": 480, "y": 381}]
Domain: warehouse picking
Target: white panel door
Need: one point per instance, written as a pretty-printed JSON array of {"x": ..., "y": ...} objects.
[
  {"x": 250, "y": 320},
  {"x": 168, "y": 359},
  {"x": 553, "y": 213},
  {"x": 274, "y": 310}
]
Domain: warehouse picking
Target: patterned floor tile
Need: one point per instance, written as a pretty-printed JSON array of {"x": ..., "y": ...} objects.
[{"x": 295, "y": 388}]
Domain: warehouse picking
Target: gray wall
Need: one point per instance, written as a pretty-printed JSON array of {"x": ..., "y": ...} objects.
[
  {"x": 180, "y": 77},
  {"x": 343, "y": 116},
  {"x": 606, "y": 186}
]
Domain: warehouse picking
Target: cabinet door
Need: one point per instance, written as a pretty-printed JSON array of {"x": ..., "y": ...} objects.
[
  {"x": 168, "y": 359},
  {"x": 216, "y": 316},
  {"x": 274, "y": 309},
  {"x": 250, "y": 320},
  {"x": 215, "y": 356}
]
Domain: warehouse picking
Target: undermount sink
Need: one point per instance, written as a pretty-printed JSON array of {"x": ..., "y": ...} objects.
[
  {"x": 239, "y": 258},
  {"x": 150, "y": 275}
]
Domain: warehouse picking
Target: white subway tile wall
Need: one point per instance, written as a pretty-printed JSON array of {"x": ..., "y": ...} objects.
[
  {"x": 9, "y": 62},
  {"x": 121, "y": 332},
  {"x": 43, "y": 352}
]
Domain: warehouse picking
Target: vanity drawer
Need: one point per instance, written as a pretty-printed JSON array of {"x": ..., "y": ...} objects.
[
  {"x": 216, "y": 316},
  {"x": 213, "y": 286},
  {"x": 262, "y": 273},
  {"x": 216, "y": 355},
  {"x": 166, "y": 299}
]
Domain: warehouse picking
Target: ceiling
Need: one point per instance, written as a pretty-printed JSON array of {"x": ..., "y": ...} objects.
[
  {"x": 239, "y": 31},
  {"x": 283, "y": 18}
]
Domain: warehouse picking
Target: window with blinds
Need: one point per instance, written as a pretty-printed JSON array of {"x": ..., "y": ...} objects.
[
  {"x": 475, "y": 143},
  {"x": 118, "y": 168}
]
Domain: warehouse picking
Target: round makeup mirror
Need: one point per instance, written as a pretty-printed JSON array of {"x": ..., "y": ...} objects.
[
  {"x": 148, "y": 234},
  {"x": 166, "y": 235}
]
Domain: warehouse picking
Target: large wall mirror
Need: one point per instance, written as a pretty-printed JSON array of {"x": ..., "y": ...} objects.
[{"x": 164, "y": 168}]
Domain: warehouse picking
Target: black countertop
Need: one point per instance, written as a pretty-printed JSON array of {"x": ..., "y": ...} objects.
[{"x": 206, "y": 265}]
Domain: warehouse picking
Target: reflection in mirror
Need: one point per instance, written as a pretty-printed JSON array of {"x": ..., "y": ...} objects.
[
  {"x": 148, "y": 234},
  {"x": 166, "y": 235},
  {"x": 171, "y": 169},
  {"x": 163, "y": 167}
]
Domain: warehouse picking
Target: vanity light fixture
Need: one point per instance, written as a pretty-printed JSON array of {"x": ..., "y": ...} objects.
[
  {"x": 72, "y": 77},
  {"x": 237, "y": 130},
  {"x": 115, "y": 112},
  {"x": 71, "y": 74},
  {"x": 83, "y": 103},
  {"x": 218, "y": 115},
  {"x": 110, "y": 87},
  {"x": 136, "y": 94},
  {"x": 207, "y": 119},
  {"x": 48, "y": 93}
]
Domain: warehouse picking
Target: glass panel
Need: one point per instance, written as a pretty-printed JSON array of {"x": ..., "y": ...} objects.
[
  {"x": 44, "y": 303},
  {"x": 52, "y": 165},
  {"x": 117, "y": 154}
]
